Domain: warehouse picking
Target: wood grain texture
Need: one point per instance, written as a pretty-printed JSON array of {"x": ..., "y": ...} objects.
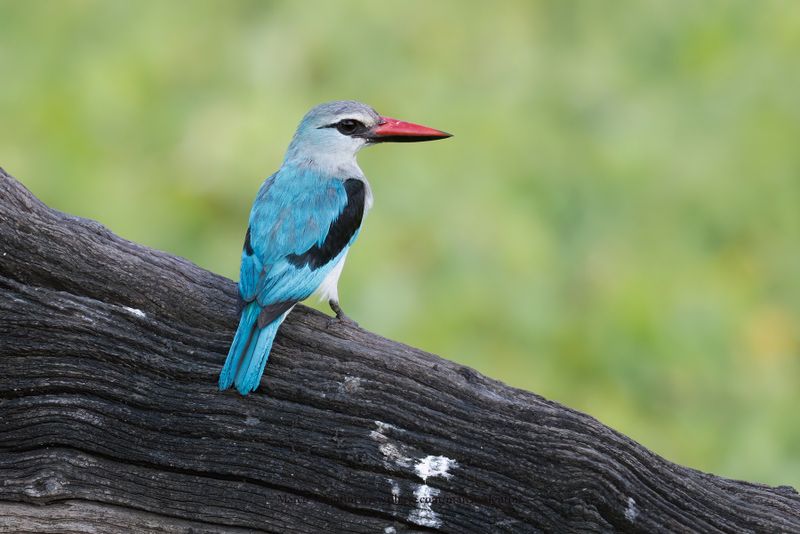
[{"x": 110, "y": 420}]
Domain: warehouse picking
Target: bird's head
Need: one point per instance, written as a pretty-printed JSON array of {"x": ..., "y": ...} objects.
[{"x": 332, "y": 133}]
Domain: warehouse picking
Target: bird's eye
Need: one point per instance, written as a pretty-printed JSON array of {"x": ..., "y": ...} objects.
[{"x": 349, "y": 126}]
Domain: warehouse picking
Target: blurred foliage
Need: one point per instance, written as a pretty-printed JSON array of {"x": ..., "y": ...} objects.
[{"x": 615, "y": 224}]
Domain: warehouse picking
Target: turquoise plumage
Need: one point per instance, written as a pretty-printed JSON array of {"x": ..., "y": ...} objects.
[
  {"x": 293, "y": 213},
  {"x": 302, "y": 223}
]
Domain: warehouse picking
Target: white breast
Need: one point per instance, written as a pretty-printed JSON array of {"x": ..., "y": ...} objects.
[{"x": 329, "y": 288}]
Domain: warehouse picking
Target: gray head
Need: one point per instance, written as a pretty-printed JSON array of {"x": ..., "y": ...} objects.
[{"x": 331, "y": 134}]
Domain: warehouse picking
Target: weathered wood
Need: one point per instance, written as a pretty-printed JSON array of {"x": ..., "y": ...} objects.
[{"x": 110, "y": 419}]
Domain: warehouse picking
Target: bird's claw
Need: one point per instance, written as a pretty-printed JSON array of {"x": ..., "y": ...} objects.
[{"x": 341, "y": 317}]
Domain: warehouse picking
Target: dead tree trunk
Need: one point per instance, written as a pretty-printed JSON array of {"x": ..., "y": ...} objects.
[{"x": 110, "y": 418}]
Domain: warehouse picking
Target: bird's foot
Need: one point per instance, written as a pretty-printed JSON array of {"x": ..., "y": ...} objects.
[{"x": 341, "y": 317}]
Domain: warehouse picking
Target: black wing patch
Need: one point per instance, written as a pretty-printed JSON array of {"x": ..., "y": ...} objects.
[
  {"x": 247, "y": 246},
  {"x": 272, "y": 312},
  {"x": 340, "y": 232}
]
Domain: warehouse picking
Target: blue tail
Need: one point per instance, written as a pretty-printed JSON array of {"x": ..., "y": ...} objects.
[{"x": 249, "y": 351}]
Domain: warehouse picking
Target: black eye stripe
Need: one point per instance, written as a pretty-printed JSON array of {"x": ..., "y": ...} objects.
[{"x": 347, "y": 126}]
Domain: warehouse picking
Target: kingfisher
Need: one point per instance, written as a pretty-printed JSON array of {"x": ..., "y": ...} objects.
[{"x": 303, "y": 221}]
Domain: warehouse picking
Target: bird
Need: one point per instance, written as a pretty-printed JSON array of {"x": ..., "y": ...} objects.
[{"x": 303, "y": 221}]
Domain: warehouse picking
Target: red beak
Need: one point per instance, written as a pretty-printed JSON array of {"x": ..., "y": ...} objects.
[{"x": 398, "y": 131}]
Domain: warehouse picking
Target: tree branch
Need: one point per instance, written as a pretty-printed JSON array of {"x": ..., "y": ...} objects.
[{"x": 110, "y": 418}]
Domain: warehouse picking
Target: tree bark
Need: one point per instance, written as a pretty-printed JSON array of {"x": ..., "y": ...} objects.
[{"x": 110, "y": 419}]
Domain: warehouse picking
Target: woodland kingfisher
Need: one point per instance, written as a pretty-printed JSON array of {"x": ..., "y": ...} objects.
[{"x": 303, "y": 221}]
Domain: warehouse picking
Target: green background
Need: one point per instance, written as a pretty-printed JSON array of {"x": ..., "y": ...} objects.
[{"x": 615, "y": 224}]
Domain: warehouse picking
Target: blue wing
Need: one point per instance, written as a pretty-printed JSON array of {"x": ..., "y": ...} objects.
[{"x": 301, "y": 225}]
